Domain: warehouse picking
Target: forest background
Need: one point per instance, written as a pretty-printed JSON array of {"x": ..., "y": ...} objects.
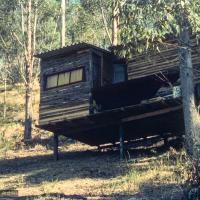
[{"x": 28, "y": 27}]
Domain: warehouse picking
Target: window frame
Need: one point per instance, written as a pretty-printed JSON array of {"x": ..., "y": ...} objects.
[{"x": 65, "y": 71}]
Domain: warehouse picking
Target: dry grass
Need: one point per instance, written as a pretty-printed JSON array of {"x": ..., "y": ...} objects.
[
  {"x": 83, "y": 172},
  {"x": 89, "y": 173},
  {"x": 12, "y": 126}
]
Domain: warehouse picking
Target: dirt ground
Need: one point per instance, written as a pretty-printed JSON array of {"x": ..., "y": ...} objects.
[{"x": 82, "y": 172}]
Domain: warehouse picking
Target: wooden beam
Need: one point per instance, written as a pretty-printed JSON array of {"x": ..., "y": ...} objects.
[
  {"x": 72, "y": 130},
  {"x": 121, "y": 142},
  {"x": 152, "y": 114},
  {"x": 55, "y": 146},
  {"x": 93, "y": 126}
]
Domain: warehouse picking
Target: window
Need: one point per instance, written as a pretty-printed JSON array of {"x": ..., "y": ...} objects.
[
  {"x": 76, "y": 75},
  {"x": 64, "y": 78},
  {"x": 118, "y": 73},
  {"x": 52, "y": 81}
]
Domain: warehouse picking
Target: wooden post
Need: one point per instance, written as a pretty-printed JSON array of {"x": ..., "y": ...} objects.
[
  {"x": 164, "y": 137},
  {"x": 166, "y": 142},
  {"x": 55, "y": 146},
  {"x": 121, "y": 142}
]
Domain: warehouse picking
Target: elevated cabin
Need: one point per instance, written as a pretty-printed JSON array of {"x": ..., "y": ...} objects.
[
  {"x": 91, "y": 95},
  {"x": 70, "y": 75}
]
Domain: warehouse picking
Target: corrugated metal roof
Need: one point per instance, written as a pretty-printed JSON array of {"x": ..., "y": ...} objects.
[{"x": 70, "y": 49}]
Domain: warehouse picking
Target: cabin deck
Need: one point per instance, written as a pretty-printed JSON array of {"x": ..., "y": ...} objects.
[{"x": 153, "y": 117}]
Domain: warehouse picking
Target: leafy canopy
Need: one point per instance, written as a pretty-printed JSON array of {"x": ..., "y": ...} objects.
[{"x": 147, "y": 21}]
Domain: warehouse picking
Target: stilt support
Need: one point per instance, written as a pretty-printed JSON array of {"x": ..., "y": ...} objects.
[
  {"x": 166, "y": 143},
  {"x": 99, "y": 148},
  {"x": 165, "y": 139},
  {"x": 121, "y": 142},
  {"x": 55, "y": 147}
]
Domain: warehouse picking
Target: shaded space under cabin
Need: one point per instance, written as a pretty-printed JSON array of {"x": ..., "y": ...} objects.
[
  {"x": 139, "y": 121},
  {"x": 91, "y": 95}
]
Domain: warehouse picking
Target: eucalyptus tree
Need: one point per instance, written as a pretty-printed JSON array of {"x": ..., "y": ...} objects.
[
  {"x": 6, "y": 45},
  {"x": 115, "y": 22},
  {"x": 63, "y": 28},
  {"x": 85, "y": 22},
  {"x": 151, "y": 20},
  {"x": 26, "y": 27},
  {"x": 3, "y": 79},
  {"x": 48, "y": 30},
  {"x": 108, "y": 12},
  {"x": 30, "y": 23}
]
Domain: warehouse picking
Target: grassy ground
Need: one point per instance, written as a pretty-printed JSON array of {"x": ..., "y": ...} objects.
[
  {"x": 85, "y": 172},
  {"x": 82, "y": 172}
]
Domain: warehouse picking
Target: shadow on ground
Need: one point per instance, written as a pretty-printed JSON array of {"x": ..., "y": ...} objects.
[
  {"x": 86, "y": 164},
  {"x": 55, "y": 196},
  {"x": 148, "y": 191},
  {"x": 152, "y": 191}
]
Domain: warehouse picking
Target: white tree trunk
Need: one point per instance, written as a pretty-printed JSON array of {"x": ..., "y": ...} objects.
[
  {"x": 105, "y": 22},
  {"x": 115, "y": 22},
  {"x": 63, "y": 30},
  {"x": 28, "y": 76},
  {"x": 5, "y": 95}
]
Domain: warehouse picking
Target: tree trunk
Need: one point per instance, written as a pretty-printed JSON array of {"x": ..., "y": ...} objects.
[
  {"x": 28, "y": 113},
  {"x": 35, "y": 27},
  {"x": 105, "y": 23},
  {"x": 22, "y": 18},
  {"x": 5, "y": 94},
  {"x": 186, "y": 75},
  {"x": 28, "y": 77},
  {"x": 63, "y": 23},
  {"x": 115, "y": 22}
]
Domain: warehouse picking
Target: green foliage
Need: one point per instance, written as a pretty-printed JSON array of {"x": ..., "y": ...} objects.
[
  {"x": 147, "y": 22},
  {"x": 83, "y": 23},
  {"x": 142, "y": 24},
  {"x": 47, "y": 27}
]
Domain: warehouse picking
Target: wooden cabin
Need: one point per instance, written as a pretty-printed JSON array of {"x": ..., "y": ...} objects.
[
  {"x": 91, "y": 95},
  {"x": 68, "y": 76}
]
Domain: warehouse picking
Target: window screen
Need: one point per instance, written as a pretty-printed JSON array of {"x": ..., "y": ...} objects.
[
  {"x": 52, "y": 81},
  {"x": 64, "y": 78},
  {"x": 76, "y": 76}
]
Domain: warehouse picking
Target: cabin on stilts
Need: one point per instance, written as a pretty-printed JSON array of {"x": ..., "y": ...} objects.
[{"x": 91, "y": 95}]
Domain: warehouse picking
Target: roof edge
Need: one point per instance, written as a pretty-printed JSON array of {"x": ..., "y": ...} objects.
[{"x": 70, "y": 49}]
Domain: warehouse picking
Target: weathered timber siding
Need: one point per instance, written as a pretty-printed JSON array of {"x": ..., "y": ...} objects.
[
  {"x": 166, "y": 60},
  {"x": 65, "y": 102}
]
